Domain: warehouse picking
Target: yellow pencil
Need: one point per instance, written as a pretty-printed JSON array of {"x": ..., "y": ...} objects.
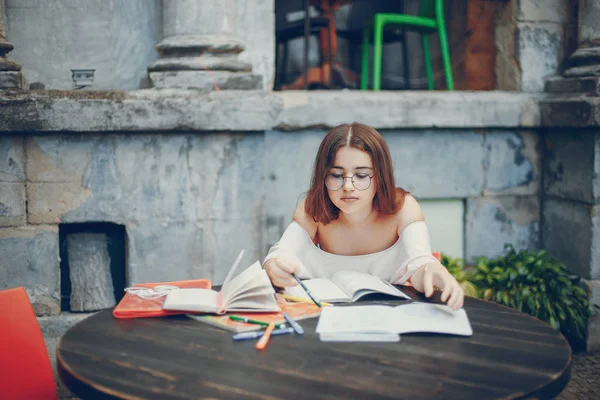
[{"x": 297, "y": 299}]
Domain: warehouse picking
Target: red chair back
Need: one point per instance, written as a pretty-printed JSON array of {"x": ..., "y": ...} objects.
[{"x": 26, "y": 369}]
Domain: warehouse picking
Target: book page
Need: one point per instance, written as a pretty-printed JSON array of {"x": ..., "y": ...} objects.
[
  {"x": 356, "y": 319},
  {"x": 239, "y": 284},
  {"x": 251, "y": 289},
  {"x": 198, "y": 300},
  {"x": 322, "y": 289},
  {"x": 358, "y": 284},
  {"x": 265, "y": 302},
  {"x": 428, "y": 317}
]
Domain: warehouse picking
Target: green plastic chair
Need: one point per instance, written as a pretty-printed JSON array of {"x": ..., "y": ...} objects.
[{"x": 429, "y": 20}]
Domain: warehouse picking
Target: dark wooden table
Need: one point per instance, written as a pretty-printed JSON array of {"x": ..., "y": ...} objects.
[{"x": 510, "y": 355}]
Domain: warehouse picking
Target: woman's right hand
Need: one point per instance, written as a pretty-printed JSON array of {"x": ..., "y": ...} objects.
[{"x": 280, "y": 270}]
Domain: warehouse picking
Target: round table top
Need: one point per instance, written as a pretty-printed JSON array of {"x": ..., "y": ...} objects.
[{"x": 509, "y": 355}]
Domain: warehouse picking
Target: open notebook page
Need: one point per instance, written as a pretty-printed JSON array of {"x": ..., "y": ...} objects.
[
  {"x": 322, "y": 289},
  {"x": 358, "y": 284}
]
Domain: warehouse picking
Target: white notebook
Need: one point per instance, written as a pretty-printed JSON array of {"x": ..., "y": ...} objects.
[
  {"x": 381, "y": 319},
  {"x": 344, "y": 287}
]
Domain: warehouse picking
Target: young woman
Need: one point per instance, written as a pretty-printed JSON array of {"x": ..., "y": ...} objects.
[{"x": 354, "y": 218}]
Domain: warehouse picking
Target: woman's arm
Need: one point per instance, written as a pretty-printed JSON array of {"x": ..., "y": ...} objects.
[
  {"x": 431, "y": 273},
  {"x": 282, "y": 262}
]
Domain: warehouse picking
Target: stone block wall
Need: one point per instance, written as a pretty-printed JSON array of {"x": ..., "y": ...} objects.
[
  {"x": 572, "y": 200},
  {"x": 497, "y": 173},
  {"x": 190, "y": 202},
  {"x": 533, "y": 37}
]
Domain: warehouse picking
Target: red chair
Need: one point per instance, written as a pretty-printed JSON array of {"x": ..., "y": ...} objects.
[{"x": 26, "y": 369}]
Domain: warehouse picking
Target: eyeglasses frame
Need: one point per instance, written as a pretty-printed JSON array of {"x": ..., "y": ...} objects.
[{"x": 351, "y": 180}]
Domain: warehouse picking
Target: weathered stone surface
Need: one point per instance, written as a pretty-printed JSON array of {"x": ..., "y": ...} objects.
[
  {"x": 508, "y": 70},
  {"x": 166, "y": 110},
  {"x": 198, "y": 17},
  {"x": 543, "y": 10},
  {"x": 163, "y": 251},
  {"x": 512, "y": 163},
  {"x": 585, "y": 56},
  {"x": 89, "y": 272},
  {"x": 406, "y": 109},
  {"x": 12, "y": 159},
  {"x": 48, "y": 202},
  {"x": 255, "y": 27},
  {"x": 288, "y": 164},
  {"x": 50, "y": 159},
  {"x": 593, "y": 343},
  {"x": 416, "y": 157},
  {"x": 492, "y": 222},
  {"x": 207, "y": 80},
  {"x": 589, "y": 85},
  {"x": 6, "y": 64},
  {"x": 572, "y": 165},
  {"x": 11, "y": 80},
  {"x": 117, "y": 38},
  {"x": 539, "y": 46},
  {"x": 214, "y": 43},
  {"x": 589, "y": 15},
  {"x": 577, "y": 111},
  {"x": 53, "y": 327},
  {"x": 12, "y": 204},
  {"x": 30, "y": 259},
  {"x": 206, "y": 62},
  {"x": 571, "y": 235},
  {"x": 584, "y": 70},
  {"x": 138, "y": 111}
]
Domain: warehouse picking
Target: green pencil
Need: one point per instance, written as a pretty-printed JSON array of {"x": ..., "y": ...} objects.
[
  {"x": 308, "y": 292},
  {"x": 253, "y": 321}
]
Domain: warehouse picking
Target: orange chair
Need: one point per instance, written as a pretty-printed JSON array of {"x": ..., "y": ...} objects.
[{"x": 26, "y": 369}]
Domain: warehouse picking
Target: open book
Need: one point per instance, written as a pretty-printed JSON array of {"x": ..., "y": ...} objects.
[
  {"x": 251, "y": 290},
  {"x": 340, "y": 323},
  {"x": 345, "y": 286}
]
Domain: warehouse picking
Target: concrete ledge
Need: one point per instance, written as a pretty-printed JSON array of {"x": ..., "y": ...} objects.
[
  {"x": 408, "y": 109},
  {"x": 570, "y": 111},
  {"x": 196, "y": 110}
]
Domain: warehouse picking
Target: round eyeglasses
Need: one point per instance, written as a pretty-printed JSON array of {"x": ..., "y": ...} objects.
[{"x": 360, "y": 181}]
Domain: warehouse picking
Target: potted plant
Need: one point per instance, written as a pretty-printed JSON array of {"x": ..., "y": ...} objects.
[{"x": 535, "y": 283}]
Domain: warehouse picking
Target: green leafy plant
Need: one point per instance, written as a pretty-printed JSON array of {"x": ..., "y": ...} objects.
[
  {"x": 456, "y": 267},
  {"x": 535, "y": 283}
]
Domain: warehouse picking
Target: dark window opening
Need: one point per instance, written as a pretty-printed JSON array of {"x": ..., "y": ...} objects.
[{"x": 116, "y": 249}]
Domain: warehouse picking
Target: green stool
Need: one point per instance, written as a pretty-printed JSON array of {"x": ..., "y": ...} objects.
[{"x": 429, "y": 20}]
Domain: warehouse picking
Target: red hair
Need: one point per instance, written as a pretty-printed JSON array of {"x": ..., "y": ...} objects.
[{"x": 388, "y": 199}]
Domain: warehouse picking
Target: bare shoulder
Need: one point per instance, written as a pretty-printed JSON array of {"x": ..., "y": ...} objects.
[
  {"x": 410, "y": 212},
  {"x": 305, "y": 220}
]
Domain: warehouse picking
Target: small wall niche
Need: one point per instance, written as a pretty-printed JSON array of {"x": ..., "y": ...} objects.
[{"x": 92, "y": 265}]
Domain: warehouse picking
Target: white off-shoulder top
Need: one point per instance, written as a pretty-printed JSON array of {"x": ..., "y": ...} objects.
[{"x": 395, "y": 264}]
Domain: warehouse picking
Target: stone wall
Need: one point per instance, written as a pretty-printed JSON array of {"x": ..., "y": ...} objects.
[
  {"x": 200, "y": 186},
  {"x": 533, "y": 37}
]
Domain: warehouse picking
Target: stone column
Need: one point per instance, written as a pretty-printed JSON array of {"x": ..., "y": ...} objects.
[
  {"x": 583, "y": 67},
  {"x": 10, "y": 71},
  {"x": 571, "y": 197},
  {"x": 199, "y": 48}
]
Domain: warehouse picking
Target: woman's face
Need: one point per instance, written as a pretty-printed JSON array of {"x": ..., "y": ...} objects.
[{"x": 350, "y": 161}]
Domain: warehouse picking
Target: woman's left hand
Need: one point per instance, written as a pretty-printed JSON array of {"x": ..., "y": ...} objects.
[{"x": 435, "y": 274}]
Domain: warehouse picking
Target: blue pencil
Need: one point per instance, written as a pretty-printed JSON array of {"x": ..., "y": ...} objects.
[
  {"x": 296, "y": 326},
  {"x": 257, "y": 334}
]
